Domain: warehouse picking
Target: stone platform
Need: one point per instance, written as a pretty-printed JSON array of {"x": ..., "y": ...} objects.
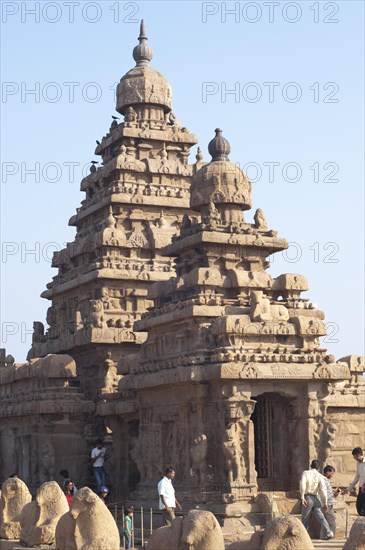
[
  {"x": 9, "y": 544},
  {"x": 332, "y": 544}
]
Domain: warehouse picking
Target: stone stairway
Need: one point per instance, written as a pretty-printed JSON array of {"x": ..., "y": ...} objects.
[{"x": 332, "y": 544}]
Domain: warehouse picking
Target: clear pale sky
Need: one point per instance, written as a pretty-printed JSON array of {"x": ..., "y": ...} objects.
[{"x": 294, "y": 120}]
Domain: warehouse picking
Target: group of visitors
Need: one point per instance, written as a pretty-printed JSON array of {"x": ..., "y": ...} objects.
[
  {"x": 316, "y": 493},
  {"x": 98, "y": 458},
  {"x": 318, "y": 497}
]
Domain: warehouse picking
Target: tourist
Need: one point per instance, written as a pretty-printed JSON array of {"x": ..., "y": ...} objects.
[
  {"x": 104, "y": 491},
  {"x": 69, "y": 491},
  {"x": 329, "y": 513},
  {"x": 65, "y": 474},
  {"x": 311, "y": 486},
  {"x": 127, "y": 528},
  {"x": 358, "y": 455},
  {"x": 98, "y": 458},
  {"x": 167, "y": 499}
]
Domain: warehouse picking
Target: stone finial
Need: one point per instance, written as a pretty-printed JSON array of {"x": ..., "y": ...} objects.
[
  {"x": 142, "y": 54},
  {"x": 219, "y": 148},
  {"x": 199, "y": 155}
]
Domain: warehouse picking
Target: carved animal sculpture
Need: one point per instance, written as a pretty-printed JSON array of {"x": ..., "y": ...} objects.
[
  {"x": 95, "y": 526},
  {"x": 168, "y": 537},
  {"x": 263, "y": 310},
  {"x": 199, "y": 530},
  {"x": 286, "y": 533},
  {"x": 283, "y": 533},
  {"x": 356, "y": 539},
  {"x": 14, "y": 496},
  {"x": 65, "y": 533},
  {"x": 96, "y": 317},
  {"x": 39, "y": 518}
]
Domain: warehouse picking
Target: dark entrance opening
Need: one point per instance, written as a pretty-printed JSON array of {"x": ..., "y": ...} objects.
[{"x": 275, "y": 438}]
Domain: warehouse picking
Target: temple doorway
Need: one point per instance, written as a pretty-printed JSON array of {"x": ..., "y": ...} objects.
[{"x": 274, "y": 434}]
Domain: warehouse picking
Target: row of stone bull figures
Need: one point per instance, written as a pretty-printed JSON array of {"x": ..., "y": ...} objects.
[
  {"x": 89, "y": 525},
  {"x": 48, "y": 520}
]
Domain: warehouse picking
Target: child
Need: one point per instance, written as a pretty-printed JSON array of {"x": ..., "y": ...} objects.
[{"x": 127, "y": 528}]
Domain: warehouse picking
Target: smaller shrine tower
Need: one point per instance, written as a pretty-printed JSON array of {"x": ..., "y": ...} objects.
[{"x": 231, "y": 386}]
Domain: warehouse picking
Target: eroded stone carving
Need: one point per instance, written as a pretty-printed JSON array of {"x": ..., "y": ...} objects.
[
  {"x": 198, "y": 457},
  {"x": 232, "y": 452},
  {"x": 198, "y": 529},
  {"x": 356, "y": 538},
  {"x": 286, "y": 532},
  {"x": 14, "y": 496},
  {"x": 263, "y": 310},
  {"x": 94, "y": 524},
  {"x": 39, "y": 518}
]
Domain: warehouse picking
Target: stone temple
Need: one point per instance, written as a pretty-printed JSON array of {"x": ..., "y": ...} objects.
[{"x": 168, "y": 337}]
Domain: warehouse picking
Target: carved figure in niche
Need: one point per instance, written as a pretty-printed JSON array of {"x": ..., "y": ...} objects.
[
  {"x": 232, "y": 453},
  {"x": 214, "y": 215},
  {"x": 260, "y": 221},
  {"x": 39, "y": 518},
  {"x": 47, "y": 462},
  {"x": 136, "y": 456},
  {"x": 330, "y": 435},
  {"x": 14, "y": 496},
  {"x": 163, "y": 168},
  {"x": 131, "y": 115},
  {"x": 111, "y": 377},
  {"x": 150, "y": 452},
  {"x": 263, "y": 310},
  {"x": 198, "y": 457},
  {"x": 96, "y": 317}
]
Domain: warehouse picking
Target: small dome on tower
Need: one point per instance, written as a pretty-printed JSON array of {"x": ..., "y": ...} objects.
[
  {"x": 219, "y": 148},
  {"x": 143, "y": 85},
  {"x": 220, "y": 181}
]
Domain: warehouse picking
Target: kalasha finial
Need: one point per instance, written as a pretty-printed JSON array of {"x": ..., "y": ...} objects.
[
  {"x": 142, "y": 54},
  {"x": 219, "y": 148}
]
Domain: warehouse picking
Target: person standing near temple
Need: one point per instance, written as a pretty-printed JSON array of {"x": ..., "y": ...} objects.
[
  {"x": 69, "y": 491},
  {"x": 65, "y": 474},
  {"x": 329, "y": 513},
  {"x": 167, "y": 499},
  {"x": 358, "y": 455},
  {"x": 311, "y": 487},
  {"x": 98, "y": 459}
]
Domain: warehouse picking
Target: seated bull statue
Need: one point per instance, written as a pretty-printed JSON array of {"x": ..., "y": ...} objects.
[
  {"x": 284, "y": 532},
  {"x": 14, "y": 496},
  {"x": 198, "y": 529},
  {"x": 39, "y": 518},
  {"x": 88, "y": 525}
]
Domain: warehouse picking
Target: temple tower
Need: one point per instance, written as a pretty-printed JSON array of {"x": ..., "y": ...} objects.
[{"x": 135, "y": 200}]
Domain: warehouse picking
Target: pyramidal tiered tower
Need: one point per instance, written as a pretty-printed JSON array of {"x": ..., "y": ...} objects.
[
  {"x": 232, "y": 385},
  {"x": 135, "y": 201}
]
